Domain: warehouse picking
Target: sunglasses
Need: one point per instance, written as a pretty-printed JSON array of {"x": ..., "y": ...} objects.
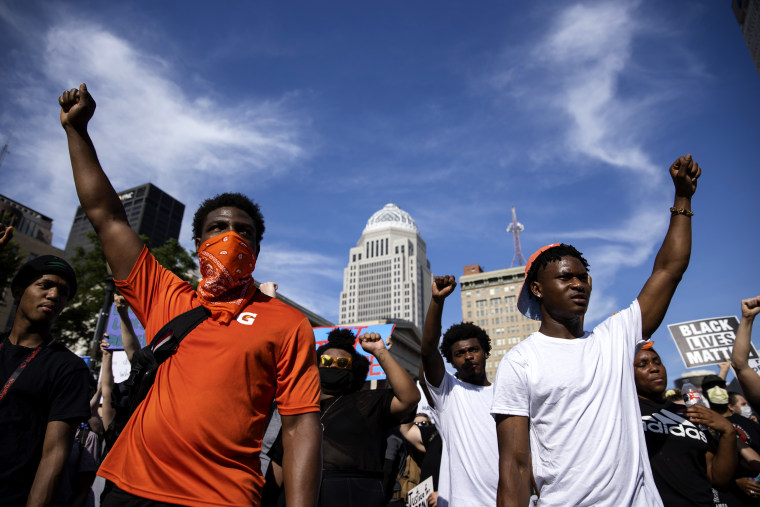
[{"x": 343, "y": 363}]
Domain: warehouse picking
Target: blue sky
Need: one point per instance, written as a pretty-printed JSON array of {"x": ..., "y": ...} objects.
[{"x": 455, "y": 111}]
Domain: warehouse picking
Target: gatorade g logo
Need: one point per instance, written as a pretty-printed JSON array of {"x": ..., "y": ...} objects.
[{"x": 246, "y": 318}]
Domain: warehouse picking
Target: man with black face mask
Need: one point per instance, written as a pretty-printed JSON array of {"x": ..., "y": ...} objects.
[
  {"x": 356, "y": 422},
  {"x": 195, "y": 438}
]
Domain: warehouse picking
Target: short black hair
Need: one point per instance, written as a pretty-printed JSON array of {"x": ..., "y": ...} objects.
[
  {"x": 550, "y": 255},
  {"x": 733, "y": 397},
  {"x": 344, "y": 339},
  {"x": 234, "y": 200},
  {"x": 464, "y": 331}
]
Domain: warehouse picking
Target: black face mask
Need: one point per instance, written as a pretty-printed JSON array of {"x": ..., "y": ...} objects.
[{"x": 335, "y": 380}]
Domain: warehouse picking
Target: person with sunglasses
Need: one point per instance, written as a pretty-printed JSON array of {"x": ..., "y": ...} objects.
[{"x": 355, "y": 421}]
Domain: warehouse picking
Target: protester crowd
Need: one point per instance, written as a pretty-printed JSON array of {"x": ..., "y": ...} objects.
[{"x": 573, "y": 417}]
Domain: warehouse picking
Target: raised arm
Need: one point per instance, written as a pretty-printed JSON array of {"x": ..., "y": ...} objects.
[
  {"x": 128, "y": 337},
  {"x": 302, "y": 458},
  {"x": 405, "y": 393},
  {"x": 673, "y": 257},
  {"x": 99, "y": 201},
  {"x": 512, "y": 434},
  {"x": 6, "y": 234},
  {"x": 748, "y": 378},
  {"x": 106, "y": 384},
  {"x": 432, "y": 362}
]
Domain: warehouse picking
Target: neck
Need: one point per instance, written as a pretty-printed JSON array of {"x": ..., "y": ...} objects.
[
  {"x": 561, "y": 328},
  {"x": 25, "y": 333},
  {"x": 476, "y": 381},
  {"x": 653, "y": 397}
]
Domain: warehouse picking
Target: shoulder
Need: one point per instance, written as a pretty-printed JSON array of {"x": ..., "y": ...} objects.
[
  {"x": 65, "y": 359},
  {"x": 265, "y": 305}
]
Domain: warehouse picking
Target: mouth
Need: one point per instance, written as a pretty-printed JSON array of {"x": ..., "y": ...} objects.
[{"x": 47, "y": 308}]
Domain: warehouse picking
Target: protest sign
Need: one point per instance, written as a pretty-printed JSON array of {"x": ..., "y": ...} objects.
[
  {"x": 418, "y": 496},
  {"x": 707, "y": 341},
  {"x": 113, "y": 329},
  {"x": 384, "y": 330}
]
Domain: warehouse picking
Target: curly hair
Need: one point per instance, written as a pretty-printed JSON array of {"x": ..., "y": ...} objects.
[
  {"x": 552, "y": 254},
  {"x": 234, "y": 200},
  {"x": 464, "y": 331},
  {"x": 344, "y": 339}
]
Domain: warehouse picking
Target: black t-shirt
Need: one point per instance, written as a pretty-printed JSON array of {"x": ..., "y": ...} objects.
[
  {"x": 748, "y": 431},
  {"x": 355, "y": 429},
  {"x": 355, "y": 426},
  {"x": 677, "y": 449},
  {"x": 431, "y": 463},
  {"x": 52, "y": 387}
]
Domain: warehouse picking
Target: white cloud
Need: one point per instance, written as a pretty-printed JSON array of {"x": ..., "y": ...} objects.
[
  {"x": 147, "y": 127},
  {"x": 308, "y": 278}
]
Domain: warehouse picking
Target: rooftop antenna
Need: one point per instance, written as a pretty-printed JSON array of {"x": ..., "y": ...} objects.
[
  {"x": 4, "y": 150},
  {"x": 516, "y": 228}
]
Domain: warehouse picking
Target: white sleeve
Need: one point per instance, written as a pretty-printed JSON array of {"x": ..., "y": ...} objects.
[
  {"x": 626, "y": 325},
  {"x": 511, "y": 393},
  {"x": 440, "y": 394}
]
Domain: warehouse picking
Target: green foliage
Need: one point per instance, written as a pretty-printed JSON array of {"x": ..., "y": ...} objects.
[
  {"x": 77, "y": 322},
  {"x": 10, "y": 261}
]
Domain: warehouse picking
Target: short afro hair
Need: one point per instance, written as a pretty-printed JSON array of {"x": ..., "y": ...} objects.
[
  {"x": 234, "y": 200},
  {"x": 464, "y": 331},
  {"x": 550, "y": 255},
  {"x": 344, "y": 339}
]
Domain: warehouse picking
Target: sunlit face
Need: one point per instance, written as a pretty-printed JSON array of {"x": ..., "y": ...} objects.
[
  {"x": 564, "y": 287},
  {"x": 740, "y": 402},
  {"x": 229, "y": 219},
  {"x": 468, "y": 358},
  {"x": 650, "y": 374}
]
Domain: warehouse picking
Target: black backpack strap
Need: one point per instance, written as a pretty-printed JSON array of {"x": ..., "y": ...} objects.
[{"x": 168, "y": 337}]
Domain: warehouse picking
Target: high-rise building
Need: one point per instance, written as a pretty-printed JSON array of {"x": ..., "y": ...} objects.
[
  {"x": 150, "y": 211},
  {"x": 388, "y": 274},
  {"x": 489, "y": 299},
  {"x": 26, "y": 220},
  {"x": 747, "y": 13},
  {"x": 32, "y": 237}
]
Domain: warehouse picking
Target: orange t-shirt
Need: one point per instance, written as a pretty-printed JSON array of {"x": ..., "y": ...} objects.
[{"x": 196, "y": 438}]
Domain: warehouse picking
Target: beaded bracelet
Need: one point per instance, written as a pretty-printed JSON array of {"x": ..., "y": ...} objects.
[{"x": 681, "y": 211}]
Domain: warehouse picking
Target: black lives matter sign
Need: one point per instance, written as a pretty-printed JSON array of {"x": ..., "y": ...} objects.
[{"x": 707, "y": 341}]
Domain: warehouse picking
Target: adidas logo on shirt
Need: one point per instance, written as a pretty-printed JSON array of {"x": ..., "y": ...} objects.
[{"x": 668, "y": 423}]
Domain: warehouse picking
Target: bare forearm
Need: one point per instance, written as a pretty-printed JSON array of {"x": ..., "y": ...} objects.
[
  {"x": 302, "y": 458},
  {"x": 401, "y": 383},
  {"x": 99, "y": 200},
  {"x": 512, "y": 434},
  {"x": 59, "y": 438},
  {"x": 128, "y": 336},
  {"x": 432, "y": 361},
  {"x": 740, "y": 352},
  {"x": 106, "y": 385},
  {"x": 724, "y": 461}
]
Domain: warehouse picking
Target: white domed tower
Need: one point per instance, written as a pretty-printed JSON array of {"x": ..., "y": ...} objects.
[{"x": 388, "y": 274}]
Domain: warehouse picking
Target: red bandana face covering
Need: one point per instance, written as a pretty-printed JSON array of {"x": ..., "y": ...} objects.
[{"x": 226, "y": 265}]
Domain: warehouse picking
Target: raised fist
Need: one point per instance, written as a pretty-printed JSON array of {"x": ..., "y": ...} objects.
[
  {"x": 77, "y": 107},
  {"x": 685, "y": 173}
]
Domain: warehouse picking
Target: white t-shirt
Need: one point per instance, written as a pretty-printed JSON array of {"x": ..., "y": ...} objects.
[
  {"x": 586, "y": 440},
  {"x": 470, "y": 459}
]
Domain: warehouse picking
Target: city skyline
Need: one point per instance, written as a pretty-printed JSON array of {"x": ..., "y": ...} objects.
[{"x": 570, "y": 111}]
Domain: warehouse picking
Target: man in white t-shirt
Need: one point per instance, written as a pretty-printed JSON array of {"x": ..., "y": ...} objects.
[
  {"x": 462, "y": 404},
  {"x": 565, "y": 399}
]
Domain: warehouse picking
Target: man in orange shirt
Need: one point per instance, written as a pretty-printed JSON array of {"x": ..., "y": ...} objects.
[{"x": 195, "y": 439}]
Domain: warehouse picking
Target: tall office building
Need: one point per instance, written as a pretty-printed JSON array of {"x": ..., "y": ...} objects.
[
  {"x": 388, "y": 274},
  {"x": 33, "y": 236},
  {"x": 150, "y": 211},
  {"x": 747, "y": 13},
  {"x": 489, "y": 299}
]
